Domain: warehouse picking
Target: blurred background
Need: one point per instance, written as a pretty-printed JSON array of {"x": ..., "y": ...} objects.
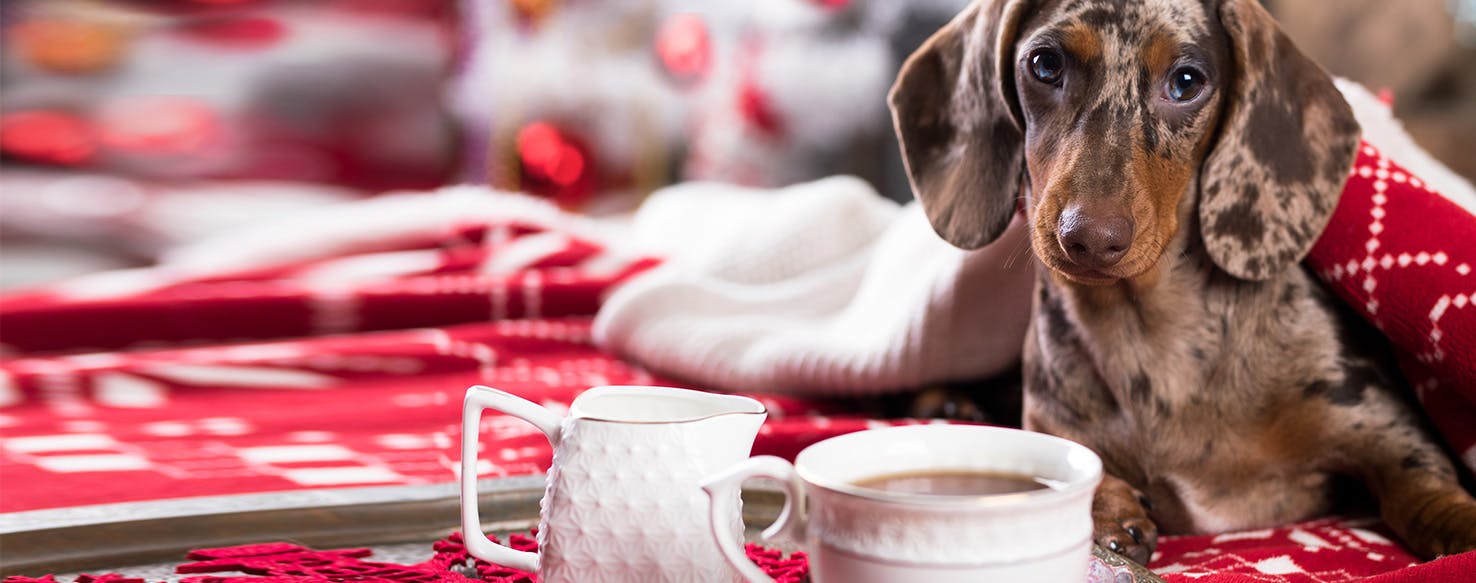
[{"x": 130, "y": 127}]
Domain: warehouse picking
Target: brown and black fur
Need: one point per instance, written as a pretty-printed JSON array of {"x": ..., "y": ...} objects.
[{"x": 1221, "y": 386}]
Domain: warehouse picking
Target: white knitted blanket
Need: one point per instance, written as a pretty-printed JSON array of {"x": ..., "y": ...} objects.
[{"x": 819, "y": 288}]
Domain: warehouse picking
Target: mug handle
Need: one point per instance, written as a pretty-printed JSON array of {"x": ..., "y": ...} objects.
[
  {"x": 477, "y": 399},
  {"x": 726, "y": 485}
]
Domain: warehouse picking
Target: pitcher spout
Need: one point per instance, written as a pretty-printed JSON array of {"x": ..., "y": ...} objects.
[
  {"x": 728, "y": 438},
  {"x": 619, "y": 404},
  {"x": 742, "y": 416},
  {"x": 735, "y": 405}
]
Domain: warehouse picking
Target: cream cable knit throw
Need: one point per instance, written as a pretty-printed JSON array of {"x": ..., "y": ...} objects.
[
  {"x": 820, "y": 288},
  {"x": 827, "y": 288}
]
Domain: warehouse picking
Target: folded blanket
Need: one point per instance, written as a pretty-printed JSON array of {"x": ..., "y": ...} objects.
[
  {"x": 825, "y": 288},
  {"x": 1400, "y": 249}
]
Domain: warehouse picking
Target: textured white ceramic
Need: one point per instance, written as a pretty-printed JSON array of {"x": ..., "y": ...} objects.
[
  {"x": 623, "y": 501},
  {"x": 859, "y": 535}
]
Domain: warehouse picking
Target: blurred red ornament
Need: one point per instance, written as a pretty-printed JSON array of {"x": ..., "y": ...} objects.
[
  {"x": 237, "y": 33},
  {"x": 398, "y": 8},
  {"x": 754, "y": 103},
  {"x": 832, "y": 4},
  {"x": 555, "y": 164},
  {"x": 159, "y": 125},
  {"x": 757, "y": 108},
  {"x": 684, "y": 47},
  {"x": 47, "y": 136}
]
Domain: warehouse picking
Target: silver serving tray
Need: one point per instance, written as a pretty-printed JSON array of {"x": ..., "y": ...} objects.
[{"x": 115, "y": 537}]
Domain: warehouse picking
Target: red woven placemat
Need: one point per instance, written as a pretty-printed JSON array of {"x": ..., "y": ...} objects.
[
  {"x": 290, "y": 563},
  {"x": 1235, "y": 561}
]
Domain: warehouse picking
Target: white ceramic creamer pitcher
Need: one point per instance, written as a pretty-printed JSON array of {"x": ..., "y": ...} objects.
[{"x": 623, "y": 500}]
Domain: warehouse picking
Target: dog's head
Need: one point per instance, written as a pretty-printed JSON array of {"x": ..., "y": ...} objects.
[{"x": 1110, "y": 115}]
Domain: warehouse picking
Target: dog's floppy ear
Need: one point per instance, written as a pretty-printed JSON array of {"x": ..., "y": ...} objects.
[
  {"x": 1287, "y": 140},
  {"x": 955, "y": 114}
]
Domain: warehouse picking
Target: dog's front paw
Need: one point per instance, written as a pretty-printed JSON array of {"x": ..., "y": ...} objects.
[
  {"x": 1121, "y": 522},
  {"x": 1443, "y": 525}
]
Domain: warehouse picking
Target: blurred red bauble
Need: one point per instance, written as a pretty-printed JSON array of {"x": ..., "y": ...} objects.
[
  {"x": 554, "y": 164},
  {"x": 47, "y": 136},
  {"x": 757, "y": 108},
  {"x": 684, "y": 47},
  {"x": 754, "y": 103},
  {"x": 159, "y": 125},
  {"x": 397, "y": 8},
  {"x": 832, "y": 4},
  {"x": 251, "y": 33}
]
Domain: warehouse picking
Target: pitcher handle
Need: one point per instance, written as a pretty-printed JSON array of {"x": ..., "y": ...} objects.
[
  {"x": 725, "y": 486},
  {"x": 477, "y": 399}
]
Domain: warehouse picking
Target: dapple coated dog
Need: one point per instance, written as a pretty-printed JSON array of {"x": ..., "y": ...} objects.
[{"x": 1175, "y": 160}]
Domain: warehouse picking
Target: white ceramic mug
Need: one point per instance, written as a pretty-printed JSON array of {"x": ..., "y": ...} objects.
[
  {"x": 855, "y": 534},
  {"x": 623, "y": 501}
]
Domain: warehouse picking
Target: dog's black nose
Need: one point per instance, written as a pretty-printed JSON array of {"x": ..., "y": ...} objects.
[{"x": 1094, "y": 240}]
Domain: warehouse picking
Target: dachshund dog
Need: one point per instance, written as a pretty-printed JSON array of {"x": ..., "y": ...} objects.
[{"x": 1175, "y": 160}]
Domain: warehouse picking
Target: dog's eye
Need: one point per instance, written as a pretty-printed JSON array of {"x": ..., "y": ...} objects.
[
  {"x": 1047, "y": 66},
  {"x": 1184, "y": 84}
]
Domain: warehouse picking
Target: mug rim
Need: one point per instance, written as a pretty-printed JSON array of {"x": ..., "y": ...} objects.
[
  {"x": 1071, "y": 489},
  {"x": 755, "y": 407}
]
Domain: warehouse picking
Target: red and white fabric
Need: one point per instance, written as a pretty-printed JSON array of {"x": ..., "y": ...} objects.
[
  {"x": 1401, "y": 250},
  {"x": 1330, "y": 550},
  {"x": 316, "y": 360}
]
